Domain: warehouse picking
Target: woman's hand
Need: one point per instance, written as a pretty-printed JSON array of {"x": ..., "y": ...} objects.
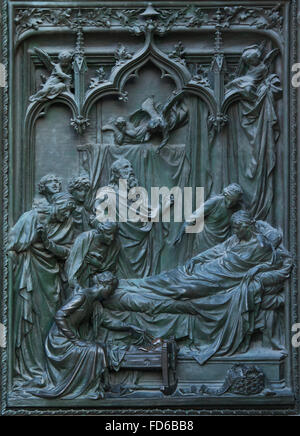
[
  {"x": 251, "y": 273},
  {"x": 143, "y": 338},
  {"x": 94, "y": 259},
  {"x": 43, "y": 234},
  {"x": 40, "y": 228},
  {"x": 180, "y": 235},
  {"x": 191, "y": 264},
  {"x": 182, "y": 230}
]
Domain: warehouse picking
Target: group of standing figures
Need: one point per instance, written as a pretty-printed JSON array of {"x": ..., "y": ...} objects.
[{"x": 75, "y": 316}]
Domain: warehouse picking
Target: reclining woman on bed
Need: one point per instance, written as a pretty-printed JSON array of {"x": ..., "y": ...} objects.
[{"x": 213, "y": 301}]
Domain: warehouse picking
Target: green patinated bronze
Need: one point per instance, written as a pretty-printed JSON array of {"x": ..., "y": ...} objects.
[{"x": 106, "y": 312}]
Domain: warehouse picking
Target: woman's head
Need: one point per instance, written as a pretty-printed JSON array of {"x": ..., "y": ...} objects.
[
  {"x": 242, "y": 224},
  {"x": 232, "y": 194},
  {"x": 270, "y": 237},
  {"x": 65, "y": 57},
  {"x": 120, "y": 123},
  {"x": 252, "y": 55},
  {"x": 62, "y": 207},
  {"x": 105, "y": 284},
  {"x": 78, "y": 188},
  {"x": 49, "y": 185}
]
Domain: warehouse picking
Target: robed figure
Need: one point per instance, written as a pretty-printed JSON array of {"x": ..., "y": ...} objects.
[
  {"x": 39, "y": 243},
  {"x": 94, "y": 251},
  {"x": 140, "y": 239},
  {"x": 252, "y": 141},
  {"x": 75, "y": 364},
  {"x": 217, "y": 212}
]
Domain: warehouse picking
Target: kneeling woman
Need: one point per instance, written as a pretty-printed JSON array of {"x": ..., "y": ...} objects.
[{"x": 76, "y": 366}]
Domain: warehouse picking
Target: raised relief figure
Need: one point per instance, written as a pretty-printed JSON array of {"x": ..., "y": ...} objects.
[
  {"x": 252, "y": 157},
  {"x": 213, "y": 302},
  {"x": 152, "y": 119},
  {"x": 48, "y": 186},
  {"x": 218, "y": 211},
  {"x": 76, "y": 365},
  {"x": 78, "y": 188},
  {"x": 93, "y": 252},
  {"x": 254, "y": 68},
  {"x": 37, "y": 242},
  {"x": 59, "y": 80},
  {"x": 138, "y": 246},
  {"x": 104, "y": 307},
  {"x": 127, "y": 132}
]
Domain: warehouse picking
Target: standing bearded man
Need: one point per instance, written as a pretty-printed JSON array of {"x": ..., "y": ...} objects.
[{"x": 139, "y": 249}]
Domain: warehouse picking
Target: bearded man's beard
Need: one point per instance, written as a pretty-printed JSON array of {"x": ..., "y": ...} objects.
[{"x": 132, "y": 182}]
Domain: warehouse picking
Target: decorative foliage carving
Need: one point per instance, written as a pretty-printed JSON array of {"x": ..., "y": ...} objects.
[
  {"x": 123, "y": 96},
  {"x": 218, "y": 121},
  {"x": 34, "y": 18},
  {"x": 99, "y": 79},
  {"x": 178, "y": 53},
  {"x": 128, "y": 18},
  {"x": 160, "y": 20},
  {"x": 80, "y": 124},
  {"x": 201, "y": 77},
  {"x": 198, "y": 17},
  {"x": 258, "y": 17},
  {"x": 98, "y": 17},
  {"x": 170, "y": 18},
  {"x": 27, "y": 19},
  {"x": 121, "y": 55},
  {"x": 240, "y": 379}
]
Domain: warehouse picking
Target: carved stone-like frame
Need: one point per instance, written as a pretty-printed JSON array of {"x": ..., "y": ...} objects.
[{"x": 205, "y": 406}]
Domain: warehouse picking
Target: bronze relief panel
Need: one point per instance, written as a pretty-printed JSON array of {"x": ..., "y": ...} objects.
[{"x": 149, "y": 206}]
